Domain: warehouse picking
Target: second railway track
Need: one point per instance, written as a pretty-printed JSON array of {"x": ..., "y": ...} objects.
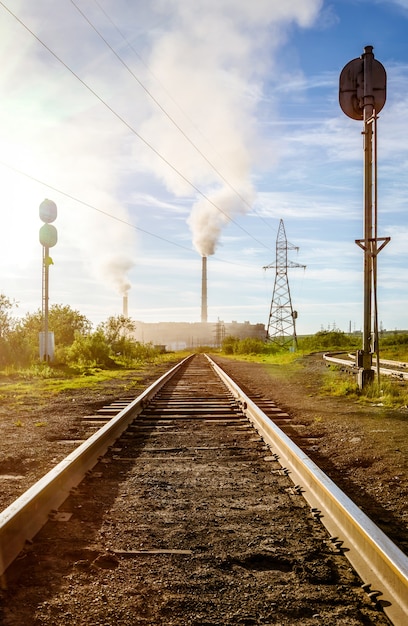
[{"x": 190, "y": 518}]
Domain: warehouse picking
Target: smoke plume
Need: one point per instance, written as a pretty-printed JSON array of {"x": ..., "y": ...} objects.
[
  {"x": 116, "y": 270},
  {"x": 206, "y": 220},
  {"x": 213, "y": 57}
]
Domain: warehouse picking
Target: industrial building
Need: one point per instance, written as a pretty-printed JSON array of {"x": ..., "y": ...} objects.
[{"x": 184, "y": 335}]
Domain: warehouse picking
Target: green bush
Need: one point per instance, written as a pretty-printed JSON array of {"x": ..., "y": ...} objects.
[
  {"x": 329, "y": 340},
  {"x": 89, "y": 350},
  {"x": 111, "y": 345},
  {"x": 249, "y": 345},
  {"x": 394, "y": 339},
  {"x": 134, "y": 353},
  {"x": 228, "y": 345}
]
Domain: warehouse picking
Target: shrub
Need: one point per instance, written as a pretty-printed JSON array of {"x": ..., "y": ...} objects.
[
  {"x": 89, "y": 350},
  {"x": 249, "y": 345},
  {"x": 329, "y": 340}
]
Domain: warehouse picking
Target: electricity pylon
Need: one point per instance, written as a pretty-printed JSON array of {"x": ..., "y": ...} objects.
[{"x": 281, "y": 325}]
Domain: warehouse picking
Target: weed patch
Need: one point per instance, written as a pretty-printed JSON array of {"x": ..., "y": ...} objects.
[
  {"x": 334, "y": 384},
  {"x": 389, "y": 393}
]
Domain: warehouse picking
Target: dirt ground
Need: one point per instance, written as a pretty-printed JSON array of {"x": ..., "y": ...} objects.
[{"x": 364, "y": 449}]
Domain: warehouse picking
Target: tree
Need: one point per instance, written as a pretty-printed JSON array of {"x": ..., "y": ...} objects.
[
  {"x": 116, "y": 327},
  {"x": 117, "y": 331},
  {"x": 67, "y": 323},
  {"x": 90, "y": 350},
  {"x": 19, "y": 339},
  {"x": 6, "y": 321},
  {"x": 7, "y": 324},
  {"x": 63, "y": 321}
]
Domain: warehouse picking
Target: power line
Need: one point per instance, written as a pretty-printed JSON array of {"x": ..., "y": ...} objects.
[
  {"x": 161, "y": 107},
  {"x": 120, "y": 118},
  {"x": 94, "y": 208},
  {"x": 173, "y": 100},
  {"x": 107, "y": 214}
]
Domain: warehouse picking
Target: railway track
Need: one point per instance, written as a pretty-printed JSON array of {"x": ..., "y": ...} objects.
[
  {"x": 393, "y": 369},
  {"x": 216, "y": 519}
]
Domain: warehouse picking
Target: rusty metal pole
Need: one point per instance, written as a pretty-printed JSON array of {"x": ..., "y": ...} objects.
[
  {"x": 368, "y": 113},
  {"x": 362, "y": 95}
]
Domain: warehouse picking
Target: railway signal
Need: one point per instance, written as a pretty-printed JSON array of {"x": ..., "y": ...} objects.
[
  {"x": 362, "y": 95},
  {"x": 48, "y": 239}
]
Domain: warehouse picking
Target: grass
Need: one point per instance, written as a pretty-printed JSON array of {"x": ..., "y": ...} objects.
[
  {"x": 279, "y": 358},
  {"x": 337, "y": 383},
  {"x": 395, "y": 353},
  {"x": 16, "y": 392},
  {"x": 19, "y": 384},
  {"x": 389, "y": 393},
  {"x": 40, "y": 382}
]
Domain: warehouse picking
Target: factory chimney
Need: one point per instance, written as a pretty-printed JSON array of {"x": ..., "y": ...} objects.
[
  {"x": 204, "y": 290},
  {"x": 125, "y": 305}
]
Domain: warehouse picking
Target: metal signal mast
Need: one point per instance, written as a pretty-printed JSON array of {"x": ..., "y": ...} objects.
[
  {"x": 362, "y": 95},
  {"x": 281, "y": 325}
]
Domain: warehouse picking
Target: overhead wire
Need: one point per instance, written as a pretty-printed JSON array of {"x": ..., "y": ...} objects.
[
  {"x": 128, "y": 125},
  {"x": 111, "y": 215},
  {"x": 91, "y": 206}
]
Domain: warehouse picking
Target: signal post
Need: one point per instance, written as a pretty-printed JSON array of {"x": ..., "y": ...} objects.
[{"x": 362, "y": 95}]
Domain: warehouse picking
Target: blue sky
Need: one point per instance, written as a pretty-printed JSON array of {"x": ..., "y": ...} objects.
[{"x": 166, "y": 129}]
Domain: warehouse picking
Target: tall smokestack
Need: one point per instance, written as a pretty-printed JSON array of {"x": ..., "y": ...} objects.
[
  {"x": 125, "y": 305},
  {"x": 204, "y": 289}
]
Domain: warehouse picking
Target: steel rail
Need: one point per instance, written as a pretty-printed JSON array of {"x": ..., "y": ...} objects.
[
  {"x": 382, "y": 566},
  {"x": 22, "y": 520},
  {"x": 328, "y": 356},
  {"x": 394, "y": 373},
  {"x": 401, "y": 364}
]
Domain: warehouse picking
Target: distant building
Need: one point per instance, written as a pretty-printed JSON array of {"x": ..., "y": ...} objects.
[{"x": 185, "y": 335}]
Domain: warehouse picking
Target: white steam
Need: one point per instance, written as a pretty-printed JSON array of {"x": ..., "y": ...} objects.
[
  {"x": 116, "y": 270},
  {"x": 213, "y": 57},
  {"x": 206, "y": 221},
  {"x": 54, "y": 130}
]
